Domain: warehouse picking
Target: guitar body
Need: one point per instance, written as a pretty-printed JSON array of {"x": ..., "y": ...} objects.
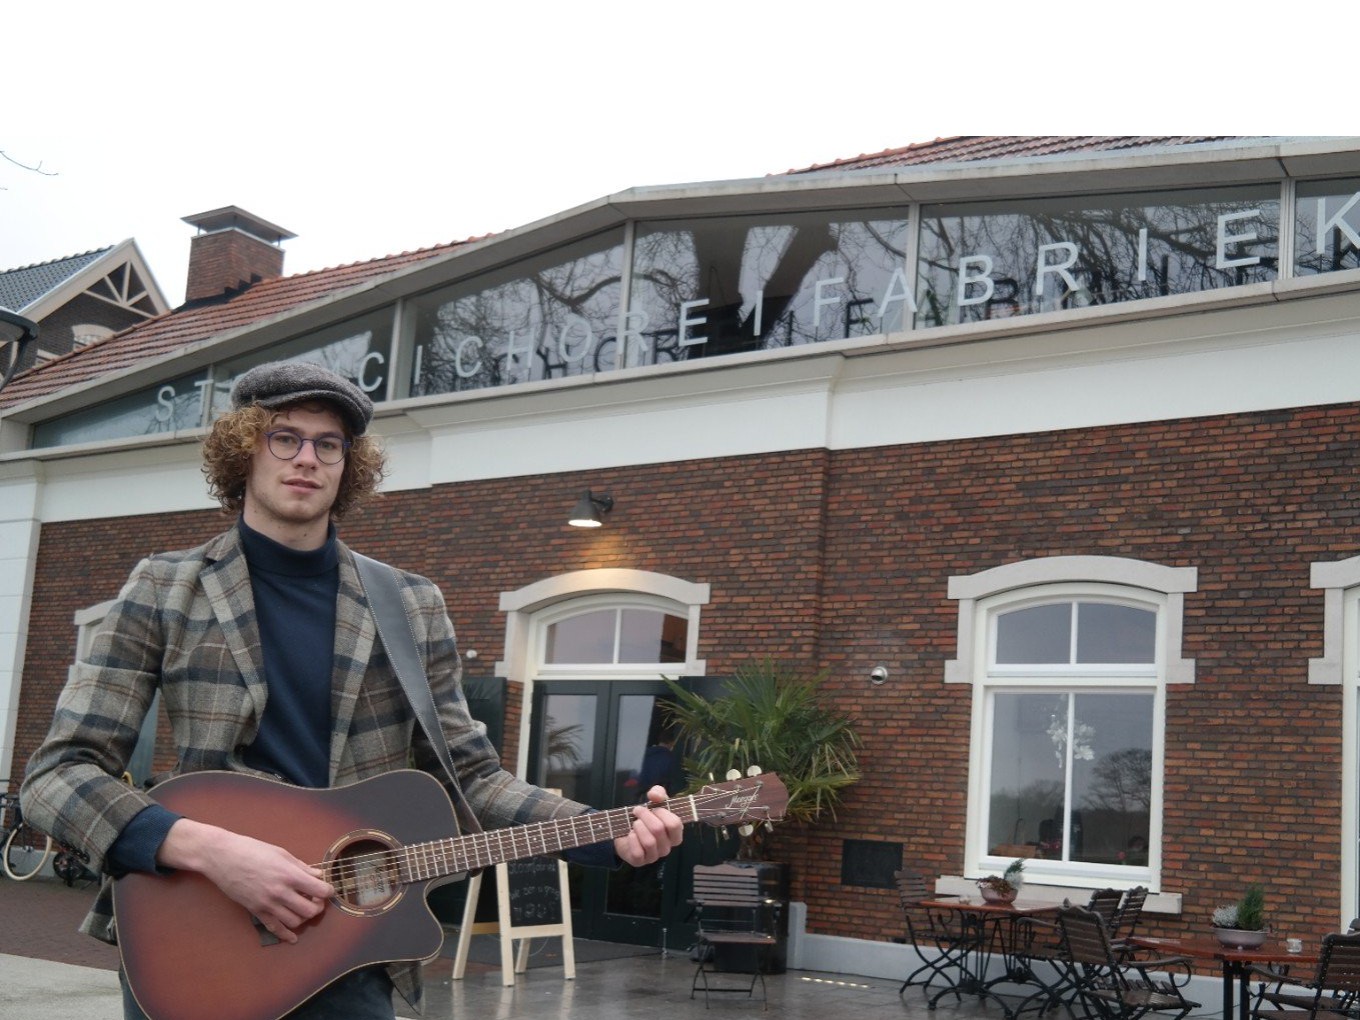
[{"x": 189, "y": 952}]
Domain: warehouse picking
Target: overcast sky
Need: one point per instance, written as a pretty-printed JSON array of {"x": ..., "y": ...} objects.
[{"x": 368, "y": 129}]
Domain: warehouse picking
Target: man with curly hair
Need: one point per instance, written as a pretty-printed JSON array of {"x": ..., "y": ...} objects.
[{"x": 263, "y": 648}]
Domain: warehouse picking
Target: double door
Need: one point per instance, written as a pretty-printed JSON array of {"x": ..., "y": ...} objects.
[{"x": 605, "y": 743}]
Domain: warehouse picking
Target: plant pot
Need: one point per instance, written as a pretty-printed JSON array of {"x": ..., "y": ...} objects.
[
  {"x": 1239, "y": 939},
  {"x": 990, "y": 895}
]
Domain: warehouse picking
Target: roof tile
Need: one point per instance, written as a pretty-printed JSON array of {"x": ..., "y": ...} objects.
[
  {"x": 193, "y": 323},
  {"x": 971, "y": 148},
  {"x": 21, "y": 287}
]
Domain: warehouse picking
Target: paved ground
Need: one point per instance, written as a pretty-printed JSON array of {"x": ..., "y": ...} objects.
[{"x": 48, "y": 971}]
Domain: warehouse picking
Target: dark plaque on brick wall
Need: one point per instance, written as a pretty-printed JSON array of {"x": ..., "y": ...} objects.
[{"x": 869, "y": 862}]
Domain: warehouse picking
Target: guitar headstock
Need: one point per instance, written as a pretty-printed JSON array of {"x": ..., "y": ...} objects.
[{"x": 760, "y": 798}]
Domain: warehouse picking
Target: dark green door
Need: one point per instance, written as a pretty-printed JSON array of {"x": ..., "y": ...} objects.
[{"x": 604, "y": 743}]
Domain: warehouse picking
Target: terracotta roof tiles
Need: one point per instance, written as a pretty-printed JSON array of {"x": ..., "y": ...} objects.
[
  {"x": 971, "y": 148},
  {"x": 193, "y": 323}
]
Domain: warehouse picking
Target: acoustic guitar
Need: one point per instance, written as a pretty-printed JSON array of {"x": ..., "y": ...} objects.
[{"x": 191, "y": 953}]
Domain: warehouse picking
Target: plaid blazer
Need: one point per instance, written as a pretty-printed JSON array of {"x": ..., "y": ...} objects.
[{"x": 184, "y": 623}]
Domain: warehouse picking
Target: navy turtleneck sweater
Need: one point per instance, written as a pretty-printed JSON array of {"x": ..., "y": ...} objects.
[{"x": 295, "y": 609}]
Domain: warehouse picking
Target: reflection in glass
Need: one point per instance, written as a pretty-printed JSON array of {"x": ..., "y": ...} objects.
[
  {"x": 648, "y": 635},
  {"x": 566, "y": 743},
  {"x": 359, "y": 349},
  {"x": 549, "y": 316},
  {"x": 629, "y": 635},
  {"x": 644, "y": 757},
  {"x": 1108, "y": 633},
  {"x": 747, "y": 283},
  {"x": 1071, "y": 775},
  {"x": 1105, "y": 632},
  {"x": 982, "y": 262},
  {"x": 1036, "y": 634},
  {"x": 163, "y": 409},
  {"x": 586, "y": 637},
  {"x": 1326, "y": 226}
]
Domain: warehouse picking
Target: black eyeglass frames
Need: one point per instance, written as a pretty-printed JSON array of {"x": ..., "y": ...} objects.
[{"x": 286, "y": 445}]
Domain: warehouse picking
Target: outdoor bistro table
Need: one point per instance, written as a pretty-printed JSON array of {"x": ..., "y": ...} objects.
[
  {"x": 1236, "y": 963},
  {"x": 988, "y": 928}
]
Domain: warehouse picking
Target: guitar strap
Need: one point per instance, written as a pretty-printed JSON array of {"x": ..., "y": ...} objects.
[{"x": 394, "y": 630}]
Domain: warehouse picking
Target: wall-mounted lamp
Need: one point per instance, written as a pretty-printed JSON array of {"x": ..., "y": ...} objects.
[
  {"x": 16, "y": 333},
  {"x": 878, "y": 676},
  {"x": 589, "y": 509}
]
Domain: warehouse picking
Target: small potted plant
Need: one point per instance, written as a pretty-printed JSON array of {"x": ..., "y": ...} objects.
[
  {"x": 1242, "y": 924},
  {"x": 1005, "y": 887}
]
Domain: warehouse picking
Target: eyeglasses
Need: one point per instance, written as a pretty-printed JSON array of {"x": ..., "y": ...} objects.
[{"x": 287, "y": 445}]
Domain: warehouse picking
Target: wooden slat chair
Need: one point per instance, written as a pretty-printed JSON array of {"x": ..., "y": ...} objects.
[
  {"x": 1126, "y": 918},
  {"x": 939, "y": 939},
  {"x": 1041, "y": 942},
  {"x": 1110, "y": 986},
  {"x": 1332, "y": 992},
  {"x": 731, "y": 910}
]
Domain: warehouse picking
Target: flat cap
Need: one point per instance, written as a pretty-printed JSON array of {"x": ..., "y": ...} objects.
[{"x": 290, "y": 382}]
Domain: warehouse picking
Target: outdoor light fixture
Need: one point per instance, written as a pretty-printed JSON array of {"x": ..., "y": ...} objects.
[
  {"x": 589, "y": 509},
  {"x": 16, "y": 333}
]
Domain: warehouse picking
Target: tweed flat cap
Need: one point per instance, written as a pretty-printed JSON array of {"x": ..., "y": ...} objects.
[{"x": 289, "y": 382}]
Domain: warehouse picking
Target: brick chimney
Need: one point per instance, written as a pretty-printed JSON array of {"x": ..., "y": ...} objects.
[{"x": 232, "y": 250}]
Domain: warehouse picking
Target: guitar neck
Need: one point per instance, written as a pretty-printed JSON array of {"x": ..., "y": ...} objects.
[{"x": 423, "y": 861}]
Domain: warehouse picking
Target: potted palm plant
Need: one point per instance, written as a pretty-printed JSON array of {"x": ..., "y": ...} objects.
[{"x": 773, "y": 718}]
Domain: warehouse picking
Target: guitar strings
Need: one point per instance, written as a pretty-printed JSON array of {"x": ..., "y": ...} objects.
[{"x": 420, "y": 857}]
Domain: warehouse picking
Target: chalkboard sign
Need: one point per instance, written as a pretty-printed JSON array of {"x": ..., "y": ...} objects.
[
  {"x": 535, "y": 896},
  {"x": 535, "y": 892}
]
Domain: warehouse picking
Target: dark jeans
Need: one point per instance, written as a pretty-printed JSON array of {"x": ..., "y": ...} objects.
[{"x": 364, "y": 995}]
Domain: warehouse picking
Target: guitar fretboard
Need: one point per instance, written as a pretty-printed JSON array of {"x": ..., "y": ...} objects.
[{"x": 423, "y": 861}]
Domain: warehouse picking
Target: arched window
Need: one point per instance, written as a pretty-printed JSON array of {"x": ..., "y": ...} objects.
[
  {"x": 609, "y": 632},
  {"x": 582, "y": 632},
  {"x": 1069, "y": 658}
]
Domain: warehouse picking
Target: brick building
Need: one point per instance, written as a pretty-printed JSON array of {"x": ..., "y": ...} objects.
[
  {"x": 1061, "y": 433},
  {"x": 78, "y": 299}
]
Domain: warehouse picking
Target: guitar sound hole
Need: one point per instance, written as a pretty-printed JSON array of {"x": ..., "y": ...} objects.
[{"x": 365, "y": 876}]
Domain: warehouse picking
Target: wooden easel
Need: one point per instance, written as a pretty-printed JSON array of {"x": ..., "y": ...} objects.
[{"x": 509, "y": 931}]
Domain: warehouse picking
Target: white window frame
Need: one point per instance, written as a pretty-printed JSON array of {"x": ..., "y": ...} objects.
[
  {"x": 544, "y": 619},
  {"x": 981, "y": 598},
  {"x": 1340, "y": 665}
]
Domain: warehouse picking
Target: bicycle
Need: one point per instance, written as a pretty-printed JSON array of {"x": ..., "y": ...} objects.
[
  {"x": 68, "y": 866},
  {"x": 26, "y": 848}
]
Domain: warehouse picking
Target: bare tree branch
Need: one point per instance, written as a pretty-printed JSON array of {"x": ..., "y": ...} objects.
[{"x": 24, "y": 166}]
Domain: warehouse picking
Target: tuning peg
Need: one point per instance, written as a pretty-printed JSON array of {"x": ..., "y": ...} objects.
[
  {"x": 733, "y": 774},
  {"x": 753, "y": 771},
  {"x": 747, "y": 829}
]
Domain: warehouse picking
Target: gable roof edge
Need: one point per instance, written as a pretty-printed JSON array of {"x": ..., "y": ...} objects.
[{"x": 81, "y": 280}]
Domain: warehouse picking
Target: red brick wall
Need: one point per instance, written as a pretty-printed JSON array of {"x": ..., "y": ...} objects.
[
  {"x": 227, "y": 259},
  {"x": 843, "y": 559}
]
